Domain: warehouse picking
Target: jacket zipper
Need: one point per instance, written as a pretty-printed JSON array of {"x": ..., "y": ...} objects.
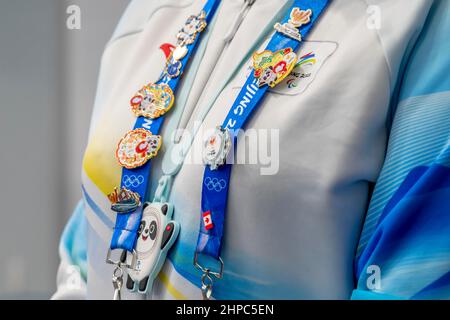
[{"x": 226, "y": 40}]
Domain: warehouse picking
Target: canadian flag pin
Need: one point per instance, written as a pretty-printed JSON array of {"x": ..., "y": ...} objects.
[{"x": 207, "y": 220}]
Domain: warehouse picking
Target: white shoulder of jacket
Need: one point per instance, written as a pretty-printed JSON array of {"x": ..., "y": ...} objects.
[
  {"x": 399, "y": 25},
  {"x": 139, "y": 12}
]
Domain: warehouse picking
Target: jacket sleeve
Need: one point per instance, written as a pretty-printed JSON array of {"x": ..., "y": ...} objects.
[
  {"x": 72, "y": 271},
  {"x": 404, "y": 250}
]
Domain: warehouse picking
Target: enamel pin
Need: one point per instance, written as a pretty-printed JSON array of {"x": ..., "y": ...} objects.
[
  {"x": 137, "y": 147},
  {"x": 297, "y": 19},
  {"x": 186, "y": 36},
  {"x": 272, "y": 68},
  {"x": 192, "y": 27},
  {"x": 152, "y": 101},
  {"x": 167, "y": 49},
  {"x": 207, "y": 220},
  {"x": 156, "y": 235},
  {"x": 124, "y": 201},
  {"x": 216, "y": 148},
  {"x": 173, "y": 67},
  {"x": 179, "y": 53}
]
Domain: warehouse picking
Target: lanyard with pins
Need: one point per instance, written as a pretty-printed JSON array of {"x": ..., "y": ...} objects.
[
  {"x": 271, "y": 67},
  {"x": 134, "y": 152}
]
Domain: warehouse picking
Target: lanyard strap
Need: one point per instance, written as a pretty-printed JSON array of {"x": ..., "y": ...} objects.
[
  {"x": 137, "y": 180},
  {"x": 177, "y": 150},
  {"x": 216, "y": 179}
]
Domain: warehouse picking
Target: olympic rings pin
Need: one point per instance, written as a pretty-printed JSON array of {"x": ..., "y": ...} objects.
[
  {"x": 152, "y": 101},
  {"x": 137, "y": 147}
]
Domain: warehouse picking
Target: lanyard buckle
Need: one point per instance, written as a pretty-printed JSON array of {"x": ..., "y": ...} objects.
[
  {"x": 122, "y": 262},
  {"x": 206, "y": 279},
  {"x": 217, "y": 274}
]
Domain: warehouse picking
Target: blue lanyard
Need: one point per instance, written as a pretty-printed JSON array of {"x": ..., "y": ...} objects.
[
  {"x": 127, "y": 223},
  {"x": 216, "y": 178}
]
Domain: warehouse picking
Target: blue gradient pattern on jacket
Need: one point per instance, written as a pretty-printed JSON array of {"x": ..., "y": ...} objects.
[
  {"x": 73, "y": 243},
  {"x": 407, "y": 229},
  {"x": 406, "y": 232}
]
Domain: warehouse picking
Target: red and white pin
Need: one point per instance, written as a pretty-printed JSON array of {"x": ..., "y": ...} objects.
[
  {"x": 207, "y": 220},
  {"x": 137, "y": 147}
]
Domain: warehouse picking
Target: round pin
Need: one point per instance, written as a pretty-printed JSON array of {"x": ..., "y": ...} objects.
[
  {"x": 216, "y": 148},
  {"x": 173, "y": 68},
  {"x": 137, "y": 147},
  {"x": 179, "y": 52},
  {"x": 152, "y": 101}
]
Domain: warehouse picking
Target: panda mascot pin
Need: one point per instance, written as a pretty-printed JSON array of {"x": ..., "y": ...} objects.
[{"x": 157, "y": 233}]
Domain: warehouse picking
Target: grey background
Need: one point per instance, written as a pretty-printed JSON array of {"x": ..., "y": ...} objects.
[{"x": 47, "y": 86}]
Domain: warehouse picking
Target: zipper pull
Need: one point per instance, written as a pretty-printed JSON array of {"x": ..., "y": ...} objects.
[{"x": 237, "y": 22}]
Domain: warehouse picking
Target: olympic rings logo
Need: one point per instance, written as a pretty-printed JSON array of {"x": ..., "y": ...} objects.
[
  {"x": 133, "y": 181},
  {"x": 215, "y": 184}
]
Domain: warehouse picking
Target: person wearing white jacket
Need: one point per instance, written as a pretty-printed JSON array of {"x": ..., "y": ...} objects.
[{"x": 293, "y": 221}]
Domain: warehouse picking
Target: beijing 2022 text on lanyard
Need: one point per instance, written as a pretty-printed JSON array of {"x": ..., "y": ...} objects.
[
  {"x": 271, "y": 66},
  {"x": 145, "y": 232}
]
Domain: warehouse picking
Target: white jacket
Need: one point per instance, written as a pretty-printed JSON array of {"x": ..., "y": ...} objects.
[{"x": 292, "y": 234}]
